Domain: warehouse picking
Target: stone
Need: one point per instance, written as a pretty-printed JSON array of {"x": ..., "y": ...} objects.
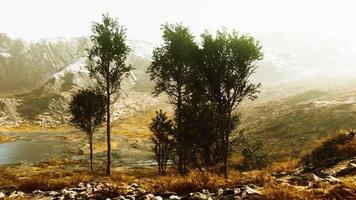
[
  {"x": 228, "y": 192},
  {"x": 312, "y": 177},
  {"x": 219, "y": 192},
  {"x": 158, "y": 198},
  {"x": 37, "y": 192},
  {"x": 149, "y": 197},
  {"x": 332, "y": 179},
  {"x": 135, "y": 185},
  {"x": 53, "y": 193},
  {"x": 2, "y": 195},
  {"x": 16, "y": 194},
  {"x": 250, "y": 190},
  {"x": 174, "y": 197},
  {"x": 199, "y": 196}
]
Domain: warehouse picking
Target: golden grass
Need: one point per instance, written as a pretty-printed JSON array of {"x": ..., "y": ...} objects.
[
  {"x": 6, "y": 138},
  {"x": 284, "y": 192},
  {"x": 35, "y": 127},
  {"x": 286, "y": 166}
]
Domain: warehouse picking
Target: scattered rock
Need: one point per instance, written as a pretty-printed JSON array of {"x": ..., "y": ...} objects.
[
  {"x": 2, "y": 195},
  {"x": 331, "y": 179},
  {"x": 250, "y": 190},
  {"x": 16, "y": 194}
]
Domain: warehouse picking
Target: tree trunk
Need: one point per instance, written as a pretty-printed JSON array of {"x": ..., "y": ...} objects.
[
  {"x": 91, "y": 153},
  {"x": 108, "y": 131},
  {"x": 181, "y": 162},
  {"x": 227, "y": 134}
]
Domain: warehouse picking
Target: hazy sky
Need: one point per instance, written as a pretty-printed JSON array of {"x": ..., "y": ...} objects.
[{"x": 35, "y": 19}]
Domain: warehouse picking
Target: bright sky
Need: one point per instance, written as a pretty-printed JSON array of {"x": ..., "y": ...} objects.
[{"x": 35, "y": 19}]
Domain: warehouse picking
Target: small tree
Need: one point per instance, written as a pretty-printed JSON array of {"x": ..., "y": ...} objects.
[
  {"x": 252, "y": 151},
  {"x": 162, "y": 138},
  {"x": 88, "y": 113},
  {"x": 171, "y": 64},
  {"x": 229, "y": 60},
  {"x": 107, "y": 64}
]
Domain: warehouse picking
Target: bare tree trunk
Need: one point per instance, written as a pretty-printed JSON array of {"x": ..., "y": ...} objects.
[
  {"x": 108, "y": 130},
  {"x": 91, "y": 153}
]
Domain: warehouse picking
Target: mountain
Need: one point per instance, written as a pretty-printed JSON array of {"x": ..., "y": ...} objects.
[
  {"x": 298, "y": 56},
  {"x": 24, "y": 65}
]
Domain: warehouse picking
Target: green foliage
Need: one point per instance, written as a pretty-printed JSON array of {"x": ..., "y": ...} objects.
[
  {"x": 107, "y": 64},
  {"x": 88, "y": 110},
  {"x": 228, "y": 61},
  {"x": 108, "y": 54},
  {"x": 162, "y": 138},
  {"x": 252, "y": 151},
  {"x": 205, "y": 84},
  {"x": 88, "y": 113},
  {"x": 170, "y": 69}
]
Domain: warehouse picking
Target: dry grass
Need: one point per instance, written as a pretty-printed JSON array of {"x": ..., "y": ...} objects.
[
  {"x": 348, "y": 149},
  {"x": 286, "y": 166},
  {"x": 333, "y": 150},
  {"x": 284, "y": 192},
  {"x": 5, "y": 138}
]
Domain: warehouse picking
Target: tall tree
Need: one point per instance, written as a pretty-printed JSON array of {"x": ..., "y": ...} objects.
[
  {"x": 88, "y": 113},
  {"x": 162, "y": 138},
  {"x": 107, "y": 64},
  {"x": 228, "y": 61},
  {"x": 169, "y": 70}
]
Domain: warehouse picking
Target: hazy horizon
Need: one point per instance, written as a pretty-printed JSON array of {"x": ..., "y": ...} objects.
[{"x": 34, "y": 20}]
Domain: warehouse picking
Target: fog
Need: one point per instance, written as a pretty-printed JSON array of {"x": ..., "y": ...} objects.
[
  {"x": 301, "y": 39},
  {"x": 37, "y": 19}
]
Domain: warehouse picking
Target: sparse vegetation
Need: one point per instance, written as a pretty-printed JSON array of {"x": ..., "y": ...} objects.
[
  {"x": 88, "y": 113},
  {"x": 162, "y": 138},
  {"x": 107, "y": 65},
  {"x": 332, "y": 151}
]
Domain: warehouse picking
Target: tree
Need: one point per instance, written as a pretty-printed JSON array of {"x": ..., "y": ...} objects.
[
  {"x": 170, "y": 67},
  {"x": 162, "y": 138},
  {"x": 106, "y": 64},
  {"x": 228, "y": 61},
  {"x": 252, "y": 151},
  {"x": 88, "y": 113}
]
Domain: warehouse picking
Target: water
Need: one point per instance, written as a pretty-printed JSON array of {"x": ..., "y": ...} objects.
[
  {"x": 28, "y": 151},
  {"x": 35, "y": 147}
]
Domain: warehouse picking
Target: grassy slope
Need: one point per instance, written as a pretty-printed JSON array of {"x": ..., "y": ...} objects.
[{"x": 293, "y": 125}]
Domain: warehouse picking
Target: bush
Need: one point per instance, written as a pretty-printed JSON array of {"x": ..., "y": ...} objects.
[{"x": 335, "y": 149}]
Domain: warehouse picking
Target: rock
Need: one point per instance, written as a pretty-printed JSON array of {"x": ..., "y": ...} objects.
[
  {"x": 53, "y": 193},
  {"x": 351, "y": 165},
  {"x": 69, "y": 194},
  {"x": 250, "y": 190},
  {"x": 158, "y": 198},
  {"x": 80, "y": 152},
  {"x": 348, "y": 171},
  {"x": 135, "y": 185},
  {"x": 16, "y": 194},
  {"x": 174, "y": 197},
  {"x": 205, "y": 191},
  {"x": 2, "y": 195},
  {"x": 220, "y": 192},
  {"x": 199, "y": 196},
  {"x": 167, "y": 194},
  {"x": 37, "y": 192},
  {"x": 149, "y": 197},
  {"x": 228, "y": 192},
  {"x": 332, "y": 179}
]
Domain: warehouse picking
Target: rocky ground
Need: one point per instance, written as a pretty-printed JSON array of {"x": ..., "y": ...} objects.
[{"x": 336, "y": 182}]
